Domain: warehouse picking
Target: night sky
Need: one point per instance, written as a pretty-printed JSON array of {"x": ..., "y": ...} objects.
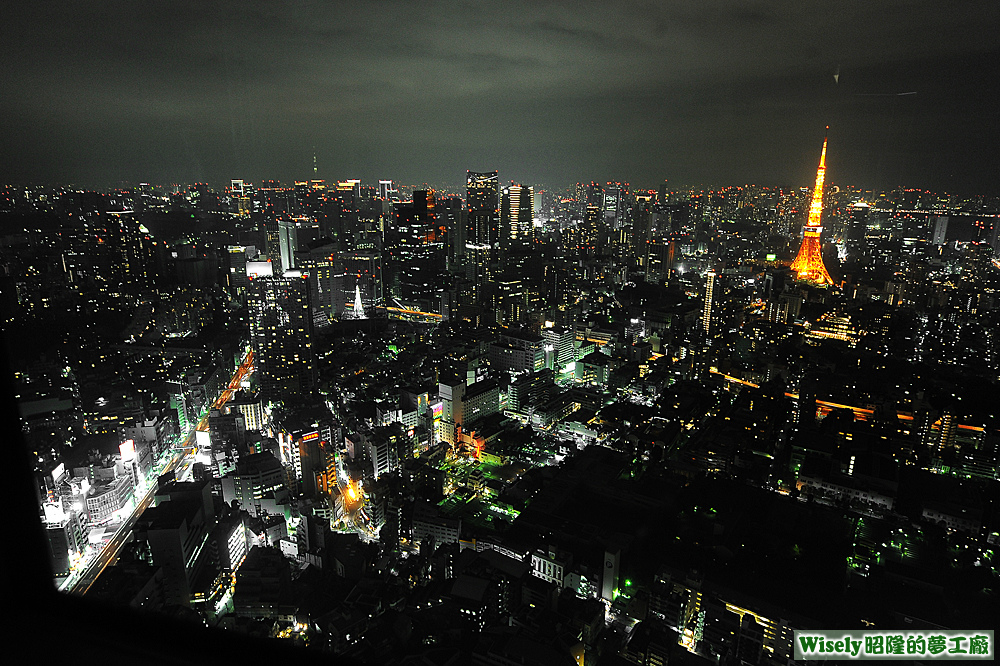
[{"x": 101, "y": 93}]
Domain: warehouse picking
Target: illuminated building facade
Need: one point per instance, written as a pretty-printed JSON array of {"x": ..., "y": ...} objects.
[
  {"x": 64, "y": 537},
  {"x": 858, "y": 224},
  {"x": 240, "y": 193},
  {"x": 517, "y": 352},
  {"x": 287, "y": 242},
  {"x": 359, "y": 307},
  {"x": 808, "y": 265},
  {"x": 174, "y": 532},
  {"x": 387, "y": 191},
  {"x": 658, "y": 259},
  {"x": 281, "y": 333},
  {"x": 561, "y": 340},
  {"x": 588, "y": 241},
  {"x": 451, "y": 219},
  {"x": 706, "y": 313},
  {"x": 415, "y": 250},
  {"x": 834, "y": 326},
  {"x": 483, "y": 204},
  {"x": 940, "y": 234},
  {"x": 510, "y": 300},
  {"x": 106, "y": 251},
  {"x": 104, "y": 500},
  {"x": 529, "y": 390},
  {"x": 257, "y": 477},
  {"x": 383, "y": 449},
  {"x": 516, "y": 213},
  {"x": 709, "y": 622},
  {"x": 616, "y": 205}
]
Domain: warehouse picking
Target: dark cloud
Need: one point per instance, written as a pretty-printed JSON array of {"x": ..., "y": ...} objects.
[{"x": 724, "y": 91}]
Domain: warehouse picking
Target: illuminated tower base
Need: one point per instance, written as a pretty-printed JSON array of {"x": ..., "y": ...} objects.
[{"x": 808, "y": 265}]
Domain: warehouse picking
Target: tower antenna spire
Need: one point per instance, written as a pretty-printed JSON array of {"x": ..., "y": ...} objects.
[{"x": 808, "y": 265}]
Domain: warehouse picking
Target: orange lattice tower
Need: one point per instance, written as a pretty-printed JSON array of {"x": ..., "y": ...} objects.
[{"x": 808, "y": 265}]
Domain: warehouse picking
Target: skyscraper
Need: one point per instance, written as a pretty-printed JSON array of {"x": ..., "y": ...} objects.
[
  {"x": 591, "y": 232},
  {"x": 858, "y": 223},
  {"x": 483, "y": 201},
  {"x": 706, "y": 313},
  {"x": 516, "y": 213},
  {"x": 415, "y": 250},
  {"x": 107, "y": 249},
  {"x": 451, "y": 217},
  {"x": 510, "y": 299},
  {"x": 287, "y": 242},
  {"x": 281, "y": 332},
  {"x": 387, "y": 191},
  {"x": 612, "y": 205},
  {"x": 940, "y": 229},
  {"x": 808, "y": 265},
  {"x": 268, "y": 228}
]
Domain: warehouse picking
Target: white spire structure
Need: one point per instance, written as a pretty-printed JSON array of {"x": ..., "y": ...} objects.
[{"x": 359, "y": 308}]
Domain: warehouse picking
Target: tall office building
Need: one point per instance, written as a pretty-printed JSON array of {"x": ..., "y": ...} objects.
[
  {"x": 237, "y": 256},
  {"x": 462, "y": 405},
  {"x": 511, "y": 300},
  {"x": 517, "y": 352},
  {"x": 663, "y": 194},
  {"x": 612, "y": 205},
  {"x": 706, "y": 312},
  {"x": 383, "y": 449},
  {"x": 281, "y": 332},
  {"x": 940, "y": 229},
  {"x": 516, "y": 214},
  {"x": 658, "y": 259},
  {"x": 317, "y": 261},
  {"x": 351, "y": 185},
  {"x": 415, "y": 251},
  {"x": 593, "y": 195},
  {"x": 858, "y": 224},
  {"x": 239, "y": 193},
  {"x": 483, "y": 203},
  {"x": 107, "y": 249},
  {"x": 134, "y": 248},
  {"x": 254, "y": 478},
  {"x": 173, "y": 533},
  {"x": 451, "y": 217},
  {"x": 387, "y": 191},
  {"x": 287, "y": 242},
  {"x": 426, "y": 229},
  {"x": 591, "y": 232},
  {"x": 272, "y": 241},
  {"x": 559, "y": 341}
]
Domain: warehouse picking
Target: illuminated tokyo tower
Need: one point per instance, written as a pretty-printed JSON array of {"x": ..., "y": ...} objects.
[{"x": 808, "y": 265}]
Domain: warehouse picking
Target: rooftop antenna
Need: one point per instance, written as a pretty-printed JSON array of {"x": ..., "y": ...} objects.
[{"x": 315, "y": 170}]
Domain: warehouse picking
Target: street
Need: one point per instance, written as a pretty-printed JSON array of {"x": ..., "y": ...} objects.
[{"x": 182, "y": 459}]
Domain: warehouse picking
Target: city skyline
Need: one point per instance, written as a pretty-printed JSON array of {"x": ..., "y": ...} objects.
[
  {"x": 592, "y": 334},
  {"x": 636, "y": 410},
  {"x": 543, "y": 93}
]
